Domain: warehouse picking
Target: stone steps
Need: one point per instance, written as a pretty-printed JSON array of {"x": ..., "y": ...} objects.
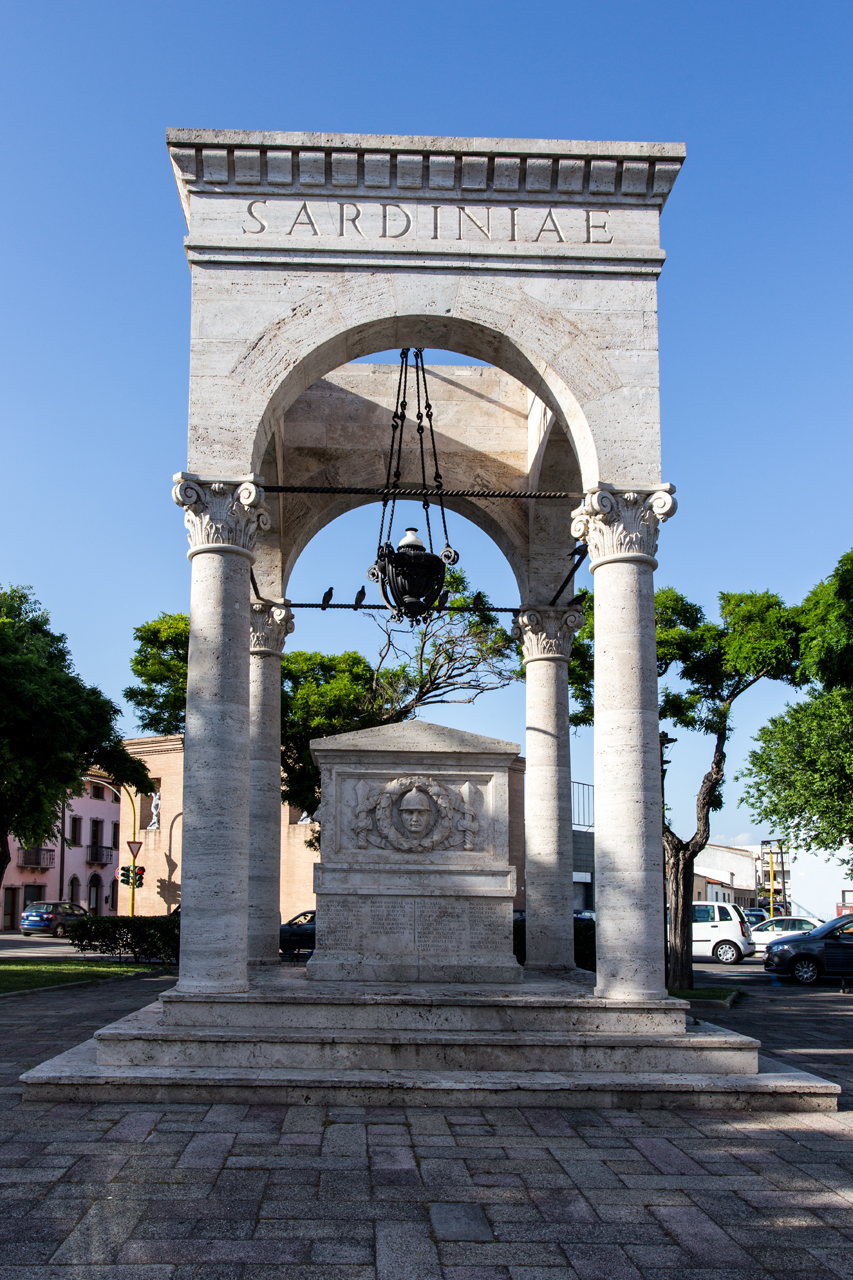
[
  {"x": 135, "y": 1041},
  {"x": 76, "y": 1076}
]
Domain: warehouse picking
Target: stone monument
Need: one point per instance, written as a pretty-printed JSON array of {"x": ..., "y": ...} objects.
[{"x": 414, "y": 882}]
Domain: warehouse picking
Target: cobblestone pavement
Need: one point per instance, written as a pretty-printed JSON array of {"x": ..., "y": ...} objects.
[{"x": 112, "y": 1192}]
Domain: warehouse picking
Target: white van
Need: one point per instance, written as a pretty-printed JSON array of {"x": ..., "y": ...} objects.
[{"x": 720, "y": 929}]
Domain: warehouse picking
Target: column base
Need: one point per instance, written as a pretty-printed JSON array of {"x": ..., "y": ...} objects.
[{"x": 616, "y": 991}]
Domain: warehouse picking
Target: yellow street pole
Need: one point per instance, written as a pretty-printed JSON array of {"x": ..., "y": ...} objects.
[
  {"x": 772, "y": 882},
  {"x": 133, "y": 855}
]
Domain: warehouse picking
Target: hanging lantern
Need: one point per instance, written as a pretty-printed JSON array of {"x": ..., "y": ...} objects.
[{"x": 410, "y": 577}]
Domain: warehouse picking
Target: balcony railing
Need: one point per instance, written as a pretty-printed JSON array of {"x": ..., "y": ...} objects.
[
  {"x": 583, "y": 807},
  {"x": 39, "y": 859},
  {"x": 99, "y": 854}
]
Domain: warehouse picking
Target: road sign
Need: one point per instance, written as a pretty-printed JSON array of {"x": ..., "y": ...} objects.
[
  {"x": 117, "y": 872},
  {"x": 134, "y": 846}
]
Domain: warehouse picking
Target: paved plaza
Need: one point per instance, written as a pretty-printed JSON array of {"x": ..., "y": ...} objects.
[{"x": 337, "y": 1193}]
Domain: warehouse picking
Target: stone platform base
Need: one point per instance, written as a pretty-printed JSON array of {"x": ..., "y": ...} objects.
[{"x": 549, "y": 1042}]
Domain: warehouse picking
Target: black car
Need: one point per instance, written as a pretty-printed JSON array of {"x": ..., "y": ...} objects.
[
  {"x": 801, "y": 957},
  {"x": 298, "y": 934}
]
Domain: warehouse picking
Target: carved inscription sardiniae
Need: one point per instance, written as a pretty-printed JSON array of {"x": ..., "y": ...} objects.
[{"x": 416, "y": 814}]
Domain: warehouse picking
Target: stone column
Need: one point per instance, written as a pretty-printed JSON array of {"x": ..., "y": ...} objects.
[
  {"x": 272, "y": 622},
  {"x": 222, "y": 519},
  {"x": 621, "y": 530},
  {"x": 547, "y": 636}
]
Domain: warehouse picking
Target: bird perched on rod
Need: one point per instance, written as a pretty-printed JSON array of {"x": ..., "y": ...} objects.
[
  {"x": 359, "y": 597},
  {"x": 327, "y": 597}
]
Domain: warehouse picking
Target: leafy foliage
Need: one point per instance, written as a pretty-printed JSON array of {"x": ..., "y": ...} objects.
[
  {"x": 53, "y": 726},
  {"x": 800, "y": 776},
  {"x": 154, "y": 939},
  {"x": 457, "y": 655},
  {"x": 160, "y": 663}
]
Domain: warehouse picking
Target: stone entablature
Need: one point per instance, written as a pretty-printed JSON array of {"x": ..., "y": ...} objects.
[{"x": 463, "y": 168}]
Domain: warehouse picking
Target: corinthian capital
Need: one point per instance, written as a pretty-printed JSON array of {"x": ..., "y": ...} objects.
[
  {"x": 622, "y": 526},
  {"x": 272, "y": 622},
  {"x": 547, "y": 633},
  {"x": 222, "y": 515}
]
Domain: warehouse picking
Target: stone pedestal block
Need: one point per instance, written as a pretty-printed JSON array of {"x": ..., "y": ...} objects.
[{"x": 414, "y": 882}]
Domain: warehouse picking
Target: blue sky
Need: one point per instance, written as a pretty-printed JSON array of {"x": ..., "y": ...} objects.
[{"x": 754, "y": 315}]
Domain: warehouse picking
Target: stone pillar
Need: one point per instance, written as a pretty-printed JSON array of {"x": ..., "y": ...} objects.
[
  {"x": 547, "y": 636},
  {"x": 272, "y": 622},
  {"x": 621, "y": 530},
  {"x": 222, "y": 519}
]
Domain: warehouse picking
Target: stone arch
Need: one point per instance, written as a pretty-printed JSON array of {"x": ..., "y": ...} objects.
[{"x": 343, "y": 317}]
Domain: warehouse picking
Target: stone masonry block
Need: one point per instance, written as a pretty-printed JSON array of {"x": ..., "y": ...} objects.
[
  {"x": 185, "y": 159},
  {"x": 344, "y": 168},
  {"x": 507, "y": 173},
  {"x": 215, "y": 164},
  {"x": 570, "y": 175},
  {"x": 377, "y": 170},
  {"x": 280, "y": 167},
  {"x": 665, "y": 175},
  {"x": 442, "y": 172},
  {"x": 474, "y": 169},
  {"x": 410, "y": 171},
  {"x": 247, "y": 166},
  {"x": 635, "y": 175},
  {"x": 602, "y": 176},
  {"x": 312, "y": 168},
  {"x": 538, "y": 175}
]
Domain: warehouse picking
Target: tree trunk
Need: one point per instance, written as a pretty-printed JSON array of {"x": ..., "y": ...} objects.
[
  {"x": 680, "y": 856},
  {"x": 679, "y": 896},
  {"x": 5, "y": 854}
]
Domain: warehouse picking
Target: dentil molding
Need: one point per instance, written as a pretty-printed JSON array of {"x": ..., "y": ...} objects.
[
  {"x": 622, "y": 526},
  {"x": 547, "y": 633},
  {"x": 221, "y": 515}
]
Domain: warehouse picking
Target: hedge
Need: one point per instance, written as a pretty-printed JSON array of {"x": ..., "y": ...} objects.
[
  {"x": 151, "y": 939},
  {"x": 584, "y": 943}
]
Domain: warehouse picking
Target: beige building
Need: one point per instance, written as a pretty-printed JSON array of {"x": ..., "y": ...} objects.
[{"x": 157, "y": 823}]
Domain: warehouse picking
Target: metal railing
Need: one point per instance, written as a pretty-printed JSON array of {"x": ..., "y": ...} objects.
[
  {"x": 100, "y": 854},
  {"x": 41, "y": 859},
  {"x": 583, "y": 807}
]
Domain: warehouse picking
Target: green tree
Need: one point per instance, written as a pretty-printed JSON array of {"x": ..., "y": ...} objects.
[
  {"x": 53, "y": 727},
  {"x": 457, "y": 655},
  {"x": 757, "y": 638},
  {"x": 800, "y": 776}
]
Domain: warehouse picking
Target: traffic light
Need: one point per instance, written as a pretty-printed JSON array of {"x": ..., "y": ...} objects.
[
  {"x": 125, "y": 875},
  {"x": 140, "y": 872}
]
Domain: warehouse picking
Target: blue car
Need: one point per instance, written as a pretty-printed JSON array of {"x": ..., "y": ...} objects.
[{"x": 50, "y": 917}]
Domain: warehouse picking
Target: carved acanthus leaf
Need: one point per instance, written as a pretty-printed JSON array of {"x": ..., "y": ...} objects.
[
  {"x": 621, "y": 525},
  {"x": 222, "y": 513},
  {"x": 272, "y": 622},
  {"x": 547, "y": 633}
]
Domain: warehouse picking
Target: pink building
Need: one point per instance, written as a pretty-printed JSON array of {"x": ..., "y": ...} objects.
[{"x": 81, "y": 869}]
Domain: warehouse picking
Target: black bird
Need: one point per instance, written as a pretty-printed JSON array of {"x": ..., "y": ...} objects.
[
  {"x": 477, "y": 602},
  {"x": 359, "y": 597},
  {"x": 327, "y": 597},
  {"x": 442, "y": 602}
]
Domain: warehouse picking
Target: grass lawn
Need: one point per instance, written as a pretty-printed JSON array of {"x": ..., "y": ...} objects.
[
  {"x": 705, "y": 993},
  {"x": 25, "y": 974}
]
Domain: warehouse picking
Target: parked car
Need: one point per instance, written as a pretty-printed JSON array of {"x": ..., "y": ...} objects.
[
  {"x": 720, "y": 930},
  {"x": 778, "y": 927},
  {"x": 298, "y": 934},
  {"x": 800, "y": 955},
  {"x": 50, "y": 917},
  {"x": 755, "y": 915}
]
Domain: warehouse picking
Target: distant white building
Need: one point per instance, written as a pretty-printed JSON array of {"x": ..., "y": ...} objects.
[{"x": 725, "y": 873}]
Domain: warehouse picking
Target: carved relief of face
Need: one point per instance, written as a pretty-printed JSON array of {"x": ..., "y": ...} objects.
[{"x": 415, "y": 813}]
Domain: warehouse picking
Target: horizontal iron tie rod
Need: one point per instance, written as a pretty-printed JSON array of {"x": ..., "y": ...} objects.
[
  {"x": 452, "y": 609},
  {"x": 414, "y": 493}
]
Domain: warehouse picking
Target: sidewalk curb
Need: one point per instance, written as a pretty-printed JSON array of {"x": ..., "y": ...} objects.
[{"x": 87, "y": 982}]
